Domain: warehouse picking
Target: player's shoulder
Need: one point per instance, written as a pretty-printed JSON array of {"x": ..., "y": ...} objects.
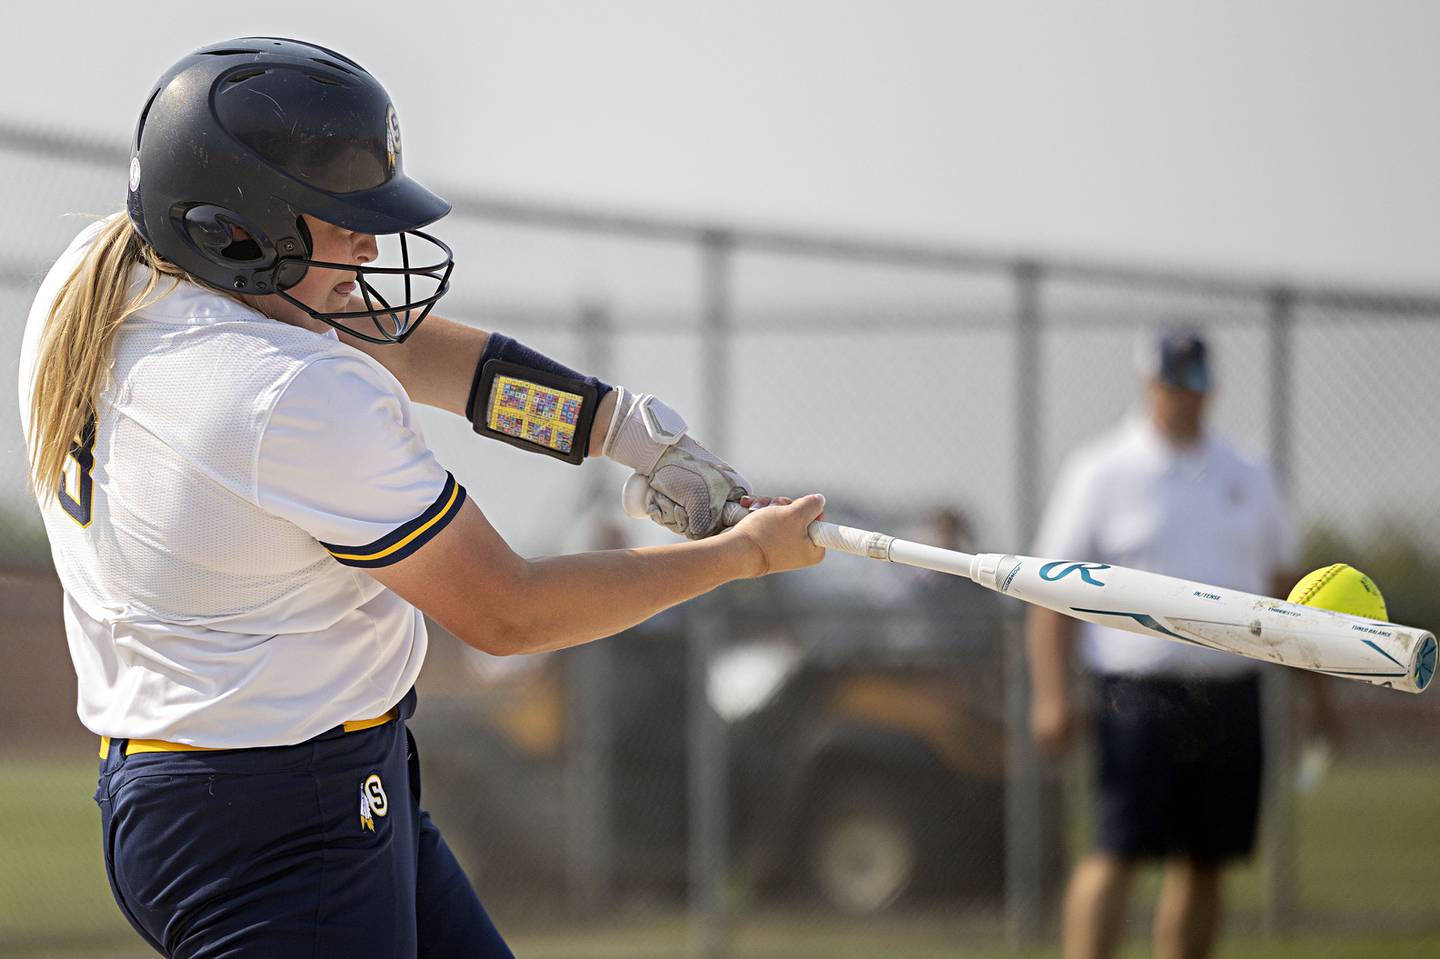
[
  {"x": 221, "y": 349},
  {"x": 335, "y": 380},
  {"x": 230, "y": 367},
  {"x": 223, "y": 339}
]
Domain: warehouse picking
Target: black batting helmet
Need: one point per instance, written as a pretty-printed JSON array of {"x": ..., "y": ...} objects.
[{"x": 250, "y": 134}]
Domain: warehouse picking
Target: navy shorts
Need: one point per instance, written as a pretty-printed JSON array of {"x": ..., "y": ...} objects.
[
  {"x": 1179, "y": 767},
  {"x": 273, "y": 852}
]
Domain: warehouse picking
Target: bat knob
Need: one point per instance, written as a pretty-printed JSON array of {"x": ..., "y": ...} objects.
[{"x": 635, "y": 496}]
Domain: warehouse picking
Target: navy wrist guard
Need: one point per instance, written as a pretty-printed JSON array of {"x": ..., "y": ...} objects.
[{"x": 528, "y": 400}]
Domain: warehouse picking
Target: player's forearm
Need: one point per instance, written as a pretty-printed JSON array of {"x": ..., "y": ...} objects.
[
  {"x": 436, "y": 365},
  {"x": 564, "y": 601},
  {"x": 1049, "y": 637}
]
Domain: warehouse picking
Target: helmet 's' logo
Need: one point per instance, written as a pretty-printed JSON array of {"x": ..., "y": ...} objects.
[
  {"x": 392, "y": 135},
  {"x": 134, "y": 174}
]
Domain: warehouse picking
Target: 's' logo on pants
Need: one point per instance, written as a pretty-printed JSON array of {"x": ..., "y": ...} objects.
[{"x": 373, "y": 801}]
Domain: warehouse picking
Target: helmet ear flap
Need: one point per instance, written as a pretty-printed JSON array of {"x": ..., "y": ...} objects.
[{"x": 222, "y": 236}]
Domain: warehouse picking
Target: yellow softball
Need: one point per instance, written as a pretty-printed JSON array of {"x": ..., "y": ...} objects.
[{"x": 1343, "y": 589}]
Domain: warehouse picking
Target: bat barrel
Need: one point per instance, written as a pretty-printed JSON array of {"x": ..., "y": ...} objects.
[
  {"x": 1213, "y": 617},
  {"x": 1422, "y": 667}
]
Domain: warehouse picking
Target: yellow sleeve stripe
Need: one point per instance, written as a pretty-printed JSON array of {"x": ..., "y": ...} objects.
[{"x": 408, "y": 538}]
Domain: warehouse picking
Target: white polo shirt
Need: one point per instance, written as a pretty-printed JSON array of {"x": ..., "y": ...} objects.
[
  {"x": 1204, "y": 513},
  {"x": 213, "y": 544}
]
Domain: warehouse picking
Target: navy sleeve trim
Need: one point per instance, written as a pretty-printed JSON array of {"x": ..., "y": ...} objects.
[{"x": 404, "y": 540}]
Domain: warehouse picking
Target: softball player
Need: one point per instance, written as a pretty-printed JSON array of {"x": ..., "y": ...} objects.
[{"x": 247, "y": 522}]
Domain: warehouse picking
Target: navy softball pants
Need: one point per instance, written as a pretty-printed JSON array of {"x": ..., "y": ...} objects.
[{"x": 314, "y": 850}]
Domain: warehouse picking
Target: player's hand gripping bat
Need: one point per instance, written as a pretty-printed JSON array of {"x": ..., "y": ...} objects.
[{"x": 1336, "y": 644}]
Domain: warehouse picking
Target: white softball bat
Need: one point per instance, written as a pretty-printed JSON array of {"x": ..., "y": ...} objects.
[{"x": 1198, "y": 614}]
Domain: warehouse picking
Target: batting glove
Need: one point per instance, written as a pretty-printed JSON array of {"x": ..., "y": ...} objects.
[{"x": 689, "y": 485}]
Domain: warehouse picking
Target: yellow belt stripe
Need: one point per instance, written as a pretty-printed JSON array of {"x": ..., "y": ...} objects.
[
  {"x": 355, "y": 725},
  {"x": 161, "y": 746},
  {"x": 386, "y": 552}
]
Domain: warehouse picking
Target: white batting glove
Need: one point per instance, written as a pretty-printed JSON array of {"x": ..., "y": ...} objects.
[{"x": 689, "y": 485}]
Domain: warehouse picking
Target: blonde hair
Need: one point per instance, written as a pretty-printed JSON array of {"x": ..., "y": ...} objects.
[{"x": 77, "y": 346}]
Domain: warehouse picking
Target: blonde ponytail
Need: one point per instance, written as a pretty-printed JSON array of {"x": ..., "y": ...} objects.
[{"x": 78, "y": 343}]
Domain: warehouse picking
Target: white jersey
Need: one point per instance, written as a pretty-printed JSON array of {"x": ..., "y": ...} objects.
[
  {"x": 213, "y": 541},
  {"x": 1202, "y": 513}
]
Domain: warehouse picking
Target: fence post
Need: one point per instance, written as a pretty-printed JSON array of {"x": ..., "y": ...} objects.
[
  {"x": 1279, "y": 838},
  {"x": 589, "y": 824},
  {"x": 1024, "y": 852},
  {"x": 708, "y": 753}
]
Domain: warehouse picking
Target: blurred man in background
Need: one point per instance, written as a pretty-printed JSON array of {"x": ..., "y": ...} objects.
[{"x": 1176, "y": 728}]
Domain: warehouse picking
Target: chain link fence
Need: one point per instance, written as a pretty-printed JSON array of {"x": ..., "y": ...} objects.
[{"x": 833, "y": 762}]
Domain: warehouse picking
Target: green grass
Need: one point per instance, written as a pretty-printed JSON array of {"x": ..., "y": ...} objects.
[
  {"x": 1367, "y": 846},
  {"x": 906, "y": 937},
  {"x": 1371, "y": 839},
  {"x": 53, "y": 885}
]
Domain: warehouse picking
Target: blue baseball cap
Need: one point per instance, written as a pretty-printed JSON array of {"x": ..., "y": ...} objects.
[{"x": 1177, "y": 358}]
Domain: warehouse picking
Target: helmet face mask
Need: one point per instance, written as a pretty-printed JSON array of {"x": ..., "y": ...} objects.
[
  {"x": 239, "y": 140},
  {"x": 391, "y": 324}
]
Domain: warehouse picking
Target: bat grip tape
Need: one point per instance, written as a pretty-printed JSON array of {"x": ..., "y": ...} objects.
[{"x": 847, "y": 539}]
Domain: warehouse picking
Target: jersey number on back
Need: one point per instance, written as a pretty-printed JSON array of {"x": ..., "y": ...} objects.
[{"x": 80, "y": 506}]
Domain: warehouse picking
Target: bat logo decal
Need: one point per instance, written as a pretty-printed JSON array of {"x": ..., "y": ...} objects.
[
  {"x": 1383, "y": 653},
  {"x": 1047, "y": 572}
]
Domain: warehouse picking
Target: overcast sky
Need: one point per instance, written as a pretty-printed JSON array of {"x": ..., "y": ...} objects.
[{"x": 1272, "y": 137}]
